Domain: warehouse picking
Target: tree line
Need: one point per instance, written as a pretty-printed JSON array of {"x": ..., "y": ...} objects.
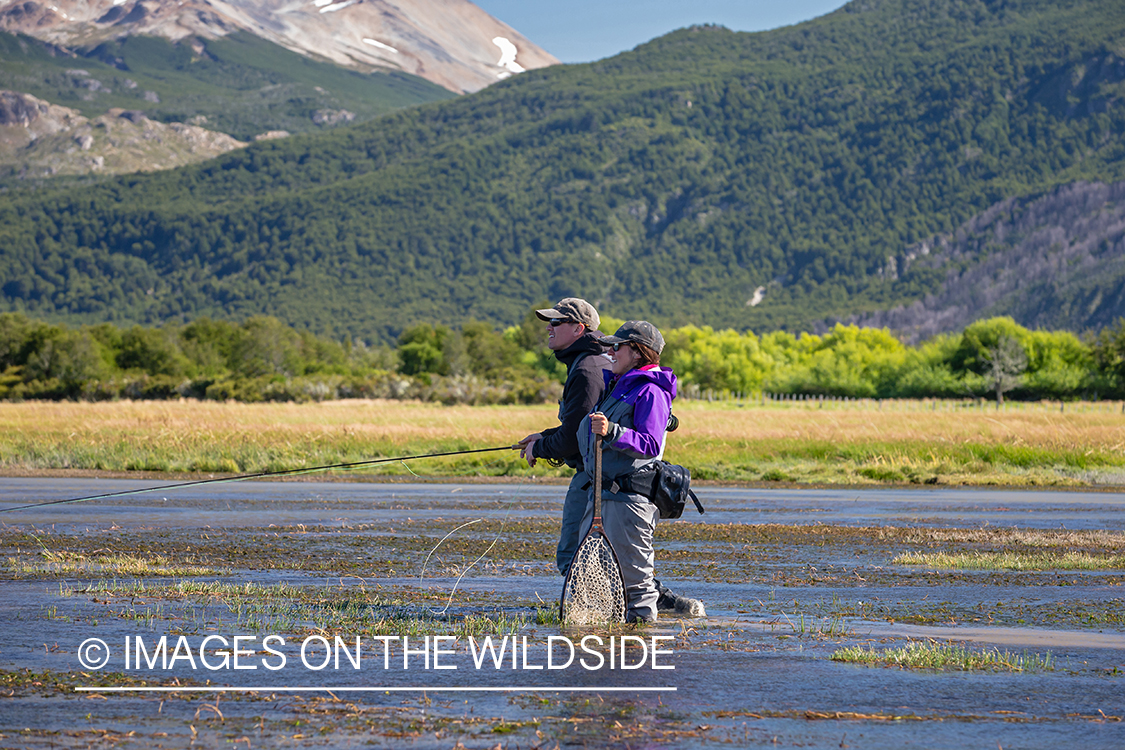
[{"x": 263, "y": 359}]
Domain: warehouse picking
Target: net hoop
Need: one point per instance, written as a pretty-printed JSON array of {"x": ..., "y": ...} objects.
[{"x": 594, "y": 589}]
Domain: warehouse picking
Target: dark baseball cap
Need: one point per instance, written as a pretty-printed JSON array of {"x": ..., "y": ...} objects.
[
  {"x": 638, "y": 332},
  {"x": 573, "y": 308}
]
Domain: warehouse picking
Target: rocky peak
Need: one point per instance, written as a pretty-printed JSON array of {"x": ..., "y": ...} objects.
[{"x": 452, "y": 43}]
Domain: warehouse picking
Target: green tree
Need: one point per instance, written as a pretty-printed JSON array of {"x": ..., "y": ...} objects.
[
  {"x": 211, "y": 345},
  {"x": 422, "y": 349},
  {"x": 489, "y": 353},
  {"x": 721, "y": 361},
  {"x": 155, "y": 351},
  {"x": 1108, "y": 354},
  {"x": 1060, "y": 365},
  {"x": 17, "y": 336},
  {"x": 73, "y": 358},
  {"x": 266, "y": 346},
  {"x": 982, "y": 337}
]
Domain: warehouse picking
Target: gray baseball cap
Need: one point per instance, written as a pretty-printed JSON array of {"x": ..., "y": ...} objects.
[
  {"x": 573, "y": 308},
  {"x": 636, "y": 331}
]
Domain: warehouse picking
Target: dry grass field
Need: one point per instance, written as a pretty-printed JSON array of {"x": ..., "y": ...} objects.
[{"x": 798, "y": 442}]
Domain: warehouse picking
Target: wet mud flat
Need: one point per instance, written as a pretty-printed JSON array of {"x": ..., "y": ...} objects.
[{"x": 414, "y": 579}]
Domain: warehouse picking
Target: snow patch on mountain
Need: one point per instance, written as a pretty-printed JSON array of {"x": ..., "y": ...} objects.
[
  {"x": 508, "y": 52},
  {"x": 337, "y": 6},
  {"x": 380, "y": 45}
]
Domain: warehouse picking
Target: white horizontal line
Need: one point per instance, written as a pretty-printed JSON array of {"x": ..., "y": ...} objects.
[{"x": 525, "y": 689}]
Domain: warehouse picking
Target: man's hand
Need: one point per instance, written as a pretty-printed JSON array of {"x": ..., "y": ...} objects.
[
  {"x": 530, "y": 438},
  {"x": 527, "y": 448},
  {"x": 599, "y": 424}
]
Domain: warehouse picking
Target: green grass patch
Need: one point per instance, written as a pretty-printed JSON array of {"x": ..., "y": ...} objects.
[
  {"x": 58, "y": 563},
  {"x": 1013, "y": 560},
  {"x": 946, "y": 657},
  {"x": 547, "y": 616},
  {"x": 283, "y": 608}
]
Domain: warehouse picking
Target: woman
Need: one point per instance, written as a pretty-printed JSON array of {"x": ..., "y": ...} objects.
[{"x": 632, "y": 418}]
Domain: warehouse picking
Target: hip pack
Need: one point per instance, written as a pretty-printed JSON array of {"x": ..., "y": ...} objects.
[{"x": 667, "y": 486}]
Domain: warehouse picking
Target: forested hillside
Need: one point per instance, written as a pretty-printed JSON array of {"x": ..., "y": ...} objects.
[
  {"x": 1054, "y": 261},
  {"x": 684, "y": 181}
]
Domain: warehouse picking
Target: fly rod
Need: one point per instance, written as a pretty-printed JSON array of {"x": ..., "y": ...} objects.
[{"x": 258, "y": 475}]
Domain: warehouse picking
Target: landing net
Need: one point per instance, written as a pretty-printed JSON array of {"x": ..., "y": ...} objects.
[{"x": 594, "y": 592}]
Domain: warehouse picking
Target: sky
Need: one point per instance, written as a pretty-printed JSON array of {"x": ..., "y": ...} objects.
[{"x": 584, "y": 30}]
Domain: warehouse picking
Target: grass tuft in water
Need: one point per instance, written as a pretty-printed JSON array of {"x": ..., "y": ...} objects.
[
  {"x": 815, "y": 627},
  {"x": 547, "y": 616},
  {"x": 283, "y": 608},
  {"x": 71, "y": 563},
  {"x": 946, "y": 656},
  {"x": 1013, "y": 560}
]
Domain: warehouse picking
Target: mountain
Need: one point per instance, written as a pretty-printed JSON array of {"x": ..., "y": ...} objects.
[
  {"x": 759, "y": 181},
  {"x": 243, "y": 68},
  {"x": 452, "y": 43}
]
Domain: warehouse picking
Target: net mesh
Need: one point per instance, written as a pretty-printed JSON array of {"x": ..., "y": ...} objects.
[{"x": 594, "y": 592}]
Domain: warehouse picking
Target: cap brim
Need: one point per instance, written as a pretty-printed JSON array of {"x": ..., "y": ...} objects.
[
  {"x": 550, "y": 314},
  {"x": 611, "y": 340}
]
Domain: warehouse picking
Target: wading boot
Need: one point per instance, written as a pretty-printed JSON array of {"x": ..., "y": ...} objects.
[{"x": 669, "y": 601}]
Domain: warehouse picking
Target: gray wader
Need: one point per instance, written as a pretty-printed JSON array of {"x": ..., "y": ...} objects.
[
  {"x": 574, "y": 504},
  {"x": 630, "y": 526},
  {"x": 574, "y": 507}
]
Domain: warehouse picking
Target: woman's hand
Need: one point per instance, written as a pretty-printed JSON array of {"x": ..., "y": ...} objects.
[{"x": 599, "y": 424}]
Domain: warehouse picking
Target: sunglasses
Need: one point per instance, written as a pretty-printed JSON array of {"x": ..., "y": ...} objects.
[
  {"x": 556, "y": 322},
  {"x": 617, "y": 347}
]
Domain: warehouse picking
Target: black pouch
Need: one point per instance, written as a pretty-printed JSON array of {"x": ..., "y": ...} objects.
[{"x": 667, "y": 486}]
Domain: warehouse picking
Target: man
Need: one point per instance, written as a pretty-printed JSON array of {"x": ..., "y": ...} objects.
[{"x": 572, "y": 334}]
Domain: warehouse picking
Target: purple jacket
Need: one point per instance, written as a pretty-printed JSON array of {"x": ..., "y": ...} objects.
[{"x": 637, "y": 406}]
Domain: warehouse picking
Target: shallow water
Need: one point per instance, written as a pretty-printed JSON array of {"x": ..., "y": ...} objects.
[
  {"x": 314, "y": 503},
  {"x": 757, "y": 668}
]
